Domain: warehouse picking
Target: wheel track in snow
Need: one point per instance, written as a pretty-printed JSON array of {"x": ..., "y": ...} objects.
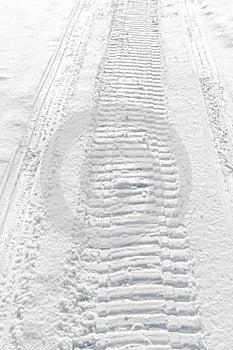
[
  {"x": 217, "y": 100},
  {"x": 142, "y": 287},
  {"x": 53, "y": 74},
  {"x": 136, "y": 268},
  {"x": 20, "y": 196}
]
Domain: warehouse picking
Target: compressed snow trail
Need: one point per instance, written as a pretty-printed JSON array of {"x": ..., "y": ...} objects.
[
  {"x": 139, "y": 289},
  {"x": 129, "y": 270}
]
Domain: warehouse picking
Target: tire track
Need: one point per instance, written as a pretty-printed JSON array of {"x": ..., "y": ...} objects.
[
  {"x": 216, "y": 98},
  {"x": 135, "y": 286},
  {"x": 52, "y": 76},
  {"x": 23, "y": 222}
]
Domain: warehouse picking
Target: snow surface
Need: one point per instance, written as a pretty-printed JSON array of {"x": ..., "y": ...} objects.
[
  {"x": 210, "y": 228},
  {"x": 221, "y": 15},
  {"x": 116, "y": 227},
  {"x": 218, "y": 40},
  {"x": 30, "y": 31}
]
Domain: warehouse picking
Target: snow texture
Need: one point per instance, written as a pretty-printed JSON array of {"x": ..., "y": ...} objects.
[
  {"x": 116, "y": 193},
  {"x": 221, "y": 15},
  {"x": 30, "y": 32}
]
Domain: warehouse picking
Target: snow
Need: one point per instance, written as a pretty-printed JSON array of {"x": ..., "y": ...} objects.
[
  {"x": 209, "y": 226},
  {"x": 30, "y": 31},
  {"x": 220, "y": 51},
  {"x": 221, "y": 15},
  {"x": 116, "y": 215}
]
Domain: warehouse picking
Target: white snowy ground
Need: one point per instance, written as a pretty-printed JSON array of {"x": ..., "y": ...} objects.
[
  {"x": 41, "y": 283},
  {"x": 220, "y": 14},
  {"x": 30, "y": 31},
  {"x": 210, "y": 218},
  {"x": 216, "y": 18}
]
